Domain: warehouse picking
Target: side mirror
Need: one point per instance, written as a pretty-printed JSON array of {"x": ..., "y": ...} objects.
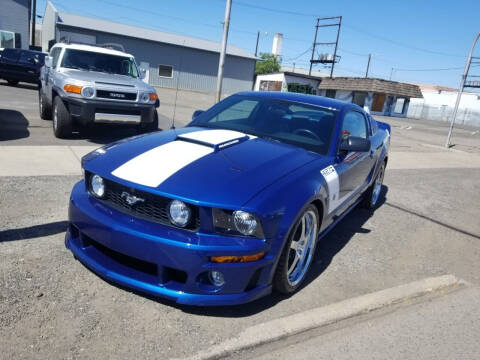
[
  {"x": 48, "y": 61},
  {"x": 197, "y": 113},
  {"x": 143, "y": 73},
  {"x": 356, "y": 144}
]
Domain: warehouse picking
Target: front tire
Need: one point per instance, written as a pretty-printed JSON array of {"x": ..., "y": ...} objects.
[
  {"x": 44, "y": 109},
  {"x": 149, "y": 127},
  {"x": 298, "y": 252},
  {"x": 372, "y": 195},
  {"x": 62, "y": 121}
]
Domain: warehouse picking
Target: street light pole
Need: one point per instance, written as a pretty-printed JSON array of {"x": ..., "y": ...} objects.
[
  {"x": 460, "y": 90},
  {"x": 256, "y": 47},
  {"x": 368, "y": 65},
  {"x": 221, "y": 62}
]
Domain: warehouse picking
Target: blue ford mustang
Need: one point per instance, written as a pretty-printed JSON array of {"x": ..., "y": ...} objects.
[{"x": 232, "y": 206}]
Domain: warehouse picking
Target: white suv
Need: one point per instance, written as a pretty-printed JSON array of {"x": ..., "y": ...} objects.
[{"x": 83, "y": 84}]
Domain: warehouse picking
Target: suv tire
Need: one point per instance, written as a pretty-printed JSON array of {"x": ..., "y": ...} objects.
[
  {"x": 149, "y": 127},
  {"x": 44, "y": 109},
  {"x": 62, "y": 121}
]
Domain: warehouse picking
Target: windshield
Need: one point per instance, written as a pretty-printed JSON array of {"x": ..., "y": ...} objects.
[
  {"x": 306, "y": 126},
  {"x": 94, "y": 61}
]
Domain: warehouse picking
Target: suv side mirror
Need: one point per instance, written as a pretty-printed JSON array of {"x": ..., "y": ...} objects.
[
  {"x": 197, "y": 113},
  {"x": 48, "y": 61},
  {"x": 356, "y": 144},
  {"x": 143, "y": 73}
]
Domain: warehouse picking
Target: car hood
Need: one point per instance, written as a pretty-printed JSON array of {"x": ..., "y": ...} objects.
[
  {"x": 105, "y": 79},
  {"x": 220, "y": 168}
]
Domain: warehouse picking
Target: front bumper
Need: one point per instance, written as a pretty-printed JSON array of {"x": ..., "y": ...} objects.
[
  {"x": 84, "y": 110},
  {"x": 160, "y": 260}
]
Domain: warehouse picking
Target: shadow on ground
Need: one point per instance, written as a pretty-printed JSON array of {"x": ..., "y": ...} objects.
[
  {"x": 33, "y": 231},
  {"x": 13, "y": 125}
]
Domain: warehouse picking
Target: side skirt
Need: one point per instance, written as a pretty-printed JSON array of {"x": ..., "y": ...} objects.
[{"x": 338, "y": 218}]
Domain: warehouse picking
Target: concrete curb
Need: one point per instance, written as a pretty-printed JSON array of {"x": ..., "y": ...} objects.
[{"x": 294, "y": 324}]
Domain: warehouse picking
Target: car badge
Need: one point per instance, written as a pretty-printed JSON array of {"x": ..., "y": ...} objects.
[
  {"x": 117, "y": 95},
  {"x": 131, "y": 199}
]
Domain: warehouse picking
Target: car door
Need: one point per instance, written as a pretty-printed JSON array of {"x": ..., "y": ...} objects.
[{"x": 353, "y": 167}]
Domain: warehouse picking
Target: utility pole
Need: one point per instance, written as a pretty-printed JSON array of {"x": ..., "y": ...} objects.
[
  {"x": 368, "y": 65},
  {"x": 221, "y": 62},
  {"x": 460, "y": 90},
  {"x": 329, "y": 59},
  {"x": 34, "y": 19},
  {"x": 391, "y": 73},
  {"x": 256, "y": 47}
]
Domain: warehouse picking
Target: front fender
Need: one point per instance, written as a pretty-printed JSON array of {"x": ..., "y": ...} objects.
[{"x": 282, "y": 203}]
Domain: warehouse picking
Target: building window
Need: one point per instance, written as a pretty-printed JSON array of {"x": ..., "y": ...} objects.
[
  {"x": 7, "y": 39},
  {"x": 266, "y": 85},
  {"x": 165, "y": 71},
  {"x": 331, "y": 93},
  {"x": 377, "y": 103},
  {"x": 359, "y": 98},
  {"x": 302, "y": 89}
]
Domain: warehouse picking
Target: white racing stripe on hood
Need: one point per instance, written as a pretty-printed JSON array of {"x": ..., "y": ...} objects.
[
  {"x": 213, "y": 137},
  {"x": 157, "y": 165}
]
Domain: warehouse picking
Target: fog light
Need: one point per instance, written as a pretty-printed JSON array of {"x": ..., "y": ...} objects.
[{"x": 216, "y": 278}]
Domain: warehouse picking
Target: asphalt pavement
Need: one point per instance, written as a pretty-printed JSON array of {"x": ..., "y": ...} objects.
[{"x": 53, "y": 307}]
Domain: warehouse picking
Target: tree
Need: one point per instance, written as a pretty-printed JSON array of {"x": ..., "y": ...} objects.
[{"x": 269, "y": 64}]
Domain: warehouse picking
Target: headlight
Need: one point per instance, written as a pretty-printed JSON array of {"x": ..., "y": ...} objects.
[
  {"x": 179, "y": 213},
  {"x": 145, "y": 98},
  {"x": 245, "y": 222},
  {"x": 97, "y": 186},
  {"x": 88, "y": 92},
  {"x": 237, "y": 223}
]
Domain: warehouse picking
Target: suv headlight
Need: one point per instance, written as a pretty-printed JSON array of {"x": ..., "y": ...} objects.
[
  {"x": 88, "y": 92},
  {"x": 145, "y": 98},
  {"x": 237, "y": 222}
]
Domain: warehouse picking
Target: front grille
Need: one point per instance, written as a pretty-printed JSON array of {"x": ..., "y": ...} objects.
[
  {"x": 153, "y": 208},
  {"x": 116, "y": 95}
]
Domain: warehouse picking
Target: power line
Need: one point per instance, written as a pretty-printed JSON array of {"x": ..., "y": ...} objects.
[{"x": 300, "y": 55}]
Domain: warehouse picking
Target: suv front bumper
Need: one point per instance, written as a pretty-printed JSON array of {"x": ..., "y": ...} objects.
[{"x": 84, "y": 110}]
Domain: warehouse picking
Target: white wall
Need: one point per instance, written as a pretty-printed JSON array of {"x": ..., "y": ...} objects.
[{"x": 439, "y": 106}]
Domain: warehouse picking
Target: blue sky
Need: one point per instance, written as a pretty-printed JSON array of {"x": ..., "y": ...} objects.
[{"x": 412, "y": 35}]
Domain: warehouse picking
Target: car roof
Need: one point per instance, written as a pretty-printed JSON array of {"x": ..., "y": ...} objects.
[
  {"x": 93, "y": 48},
  {"x": 316, "y": 100}
]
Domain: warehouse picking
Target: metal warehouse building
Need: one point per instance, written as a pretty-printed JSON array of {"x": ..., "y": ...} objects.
[
  {"x": 14, "y": 23},
  {"x": 172, "y": 60}
]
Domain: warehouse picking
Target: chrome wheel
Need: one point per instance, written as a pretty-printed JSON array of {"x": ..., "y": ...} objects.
[
  {"x": 40, "y": 103},
  {"x": 302, "y": 247},
  {"x": 377, "y": 186}
]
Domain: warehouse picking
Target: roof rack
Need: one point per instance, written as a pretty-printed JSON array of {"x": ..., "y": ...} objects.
[{"x": 111, "y": 46}]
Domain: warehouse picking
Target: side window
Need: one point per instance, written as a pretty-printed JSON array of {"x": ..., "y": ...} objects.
[
  {"x": 354, "y": 124},
  {"x": 374, "y": 125},
  {"x": 55, "y": 54}
]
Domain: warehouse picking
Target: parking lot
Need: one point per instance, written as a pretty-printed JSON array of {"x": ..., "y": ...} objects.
[{"x": 51, "y": 306}]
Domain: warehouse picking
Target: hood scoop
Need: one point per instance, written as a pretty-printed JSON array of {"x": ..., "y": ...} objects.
[{"x": 216, "y": 139}]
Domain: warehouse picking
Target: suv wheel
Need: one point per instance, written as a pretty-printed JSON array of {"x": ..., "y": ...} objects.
[
  {"x": 62, "y": 121},
  {"x": 44, "y": 109},
  {"x": 149, "y": 127}
]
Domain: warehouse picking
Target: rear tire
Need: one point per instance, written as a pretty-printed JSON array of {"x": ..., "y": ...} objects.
[
  {"x": 62, "y": 121},
  {"x": 372, "y": 196},
  {"x": 298, "y": 252},
  {"x": 44, "y": 109}
]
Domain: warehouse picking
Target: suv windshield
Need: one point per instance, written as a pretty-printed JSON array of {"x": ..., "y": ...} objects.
[
  {"x": 303, "y": 125},
  {"x": 94, "y": 61}
]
